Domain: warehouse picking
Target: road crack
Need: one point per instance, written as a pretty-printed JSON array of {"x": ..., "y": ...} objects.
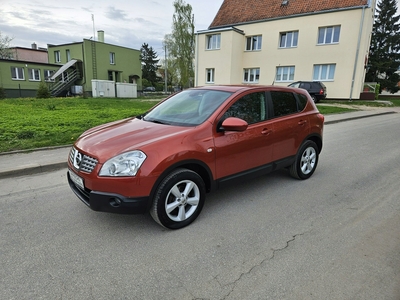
[{"x": 274, "y": 251}]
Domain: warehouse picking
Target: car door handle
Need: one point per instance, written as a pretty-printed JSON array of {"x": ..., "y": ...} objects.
[
  {"x": 266, "y": 131},
  {"x": 302, "y": 122}
]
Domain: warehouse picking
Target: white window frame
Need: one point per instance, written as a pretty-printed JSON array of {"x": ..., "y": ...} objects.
[
  {"x": 328, "y": 35},
  {"x": 285, "y": 73},
  {"x": 253, "y": 43},
  {"x": 112, "y": 58},
  {"x": 68, "y": 54},
  {"x": 48, "y": 74},
  {"x": 57, "y": 56},
  {"x": 288, "y": 39},
  {"x": 34, "y": 74},
  {"x": 213, "y": 41},
  {"x": 19, "y": 73},
  {"x": 324, "y": 72},
  {"x": 210, "y": 75},
  {"x": 251, "y": 75}
]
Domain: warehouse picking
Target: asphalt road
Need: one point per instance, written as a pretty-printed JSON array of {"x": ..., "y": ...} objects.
[{"x": 334, "y": 236}]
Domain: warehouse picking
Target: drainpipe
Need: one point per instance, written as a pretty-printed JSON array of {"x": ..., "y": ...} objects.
[
  {"x": 357, "y": 53},
  {"x": 196, "y": 75}
]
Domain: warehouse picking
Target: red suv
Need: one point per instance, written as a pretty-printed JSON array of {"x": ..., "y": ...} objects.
[{"x": 166, "y": 160}]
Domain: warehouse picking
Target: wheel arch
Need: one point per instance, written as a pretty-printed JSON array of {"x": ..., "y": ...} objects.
[
  {"x": 317, "y": 139},
  {"x": 194, "y": 165}
]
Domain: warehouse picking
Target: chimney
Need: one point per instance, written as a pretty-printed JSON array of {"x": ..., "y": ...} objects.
[
  {"x": 34, "y": 46},
  {"x": 100, "y": 36}
]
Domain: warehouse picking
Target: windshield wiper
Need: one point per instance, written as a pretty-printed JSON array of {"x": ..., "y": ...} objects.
[{"x": 156, "y": 121}]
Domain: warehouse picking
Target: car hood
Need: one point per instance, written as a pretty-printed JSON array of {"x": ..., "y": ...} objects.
[{"x": 111, "y": 139}]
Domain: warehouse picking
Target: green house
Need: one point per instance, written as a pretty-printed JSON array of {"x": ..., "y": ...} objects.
[{"x": 72, "y": 69}]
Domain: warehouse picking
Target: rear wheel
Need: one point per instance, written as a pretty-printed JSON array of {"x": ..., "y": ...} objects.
[
  {"x": 179, "y": 199},
  {"x": 306, "y": 161},
  {"x": 314, "y": 98}
]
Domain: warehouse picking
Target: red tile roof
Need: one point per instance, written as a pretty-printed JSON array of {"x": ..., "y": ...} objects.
[{"x": 233, "y": 12}]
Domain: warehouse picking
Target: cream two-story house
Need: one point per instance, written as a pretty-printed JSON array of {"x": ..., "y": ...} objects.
[{"x": 282, "y": 41}]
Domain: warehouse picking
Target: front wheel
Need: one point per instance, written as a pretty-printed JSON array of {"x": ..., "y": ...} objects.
[
  {"x": 306, "y": 161},
  {"x": 179, "y": 199}
]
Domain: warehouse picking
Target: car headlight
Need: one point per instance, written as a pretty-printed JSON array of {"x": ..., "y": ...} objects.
[{"x": 125, "y": 164}]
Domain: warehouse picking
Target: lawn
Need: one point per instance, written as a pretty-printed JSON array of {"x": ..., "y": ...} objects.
[{"x": 29, "y": 123}]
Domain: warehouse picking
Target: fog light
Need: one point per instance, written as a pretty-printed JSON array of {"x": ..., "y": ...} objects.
[{"x": 115, "y": 202}]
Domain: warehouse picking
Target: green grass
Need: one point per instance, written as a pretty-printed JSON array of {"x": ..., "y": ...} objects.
[
  {"x": 325, "y": 110},
  {"x": 28, "y": 123}
]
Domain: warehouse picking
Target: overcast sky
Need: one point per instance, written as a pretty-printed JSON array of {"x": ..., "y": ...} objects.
[{"x": 128, "y": 23}]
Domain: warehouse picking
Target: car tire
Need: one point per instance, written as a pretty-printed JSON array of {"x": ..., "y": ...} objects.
[
  {"x": 306, "y": 161},
  {"x": 314, "y": 98},
  {"x": 179, "y": 199}
]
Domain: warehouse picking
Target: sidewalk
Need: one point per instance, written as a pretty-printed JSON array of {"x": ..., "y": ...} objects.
[{"x": 50, "y": 159}]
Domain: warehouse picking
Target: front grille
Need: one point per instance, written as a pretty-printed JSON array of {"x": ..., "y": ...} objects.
[{"x": 81, "y": 161}]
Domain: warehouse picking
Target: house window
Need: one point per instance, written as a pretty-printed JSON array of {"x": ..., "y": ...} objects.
[
  {"x": 57, "y": 56},
  {"x": 253, "y": 43},
  {"x": 328, "y": 35},
  {"x": 213, "y": 41},
  {"x": 284, "y": 74},
  {"x": 288, "y": 39},
  {"x": 324, "y": 72},
  {"x": 68, "y": 54},
  {"x": 34, "y": 74},
  {"x": 251, "y": 75},
  {"x": 48, "y": 74},
  {"x": 210, "y": 75},
  {"x": 112, "y": 58},
  {"x": 17, "y": 73}
]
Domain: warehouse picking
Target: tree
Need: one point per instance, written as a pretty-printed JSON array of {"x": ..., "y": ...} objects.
[
  {"x": 5, "y": 51},
  {"x": 180, "y": 43},
  {"x": 43, "y": 91},
  {"x": 149, "y": 63},
  {"x": 384, "y": 56},
  {"x": 170, "y": 64}
]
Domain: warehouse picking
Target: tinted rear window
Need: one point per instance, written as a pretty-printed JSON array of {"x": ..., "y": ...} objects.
[{"x": 284, "y": 103}]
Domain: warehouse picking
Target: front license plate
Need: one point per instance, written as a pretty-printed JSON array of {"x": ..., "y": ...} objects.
[{"x": 76, "y": 179}]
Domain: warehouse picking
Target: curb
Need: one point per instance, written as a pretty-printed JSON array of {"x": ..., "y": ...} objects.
[
  {"x": 32, "y": 169},
  {"x": 359, "y": 117}
]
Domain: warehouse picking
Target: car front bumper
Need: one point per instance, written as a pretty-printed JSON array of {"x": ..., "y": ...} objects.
[{"x": 108, "y": 202}]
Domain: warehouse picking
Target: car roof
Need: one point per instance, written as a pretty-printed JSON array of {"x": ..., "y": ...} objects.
[{"x": 240, "y": 88}]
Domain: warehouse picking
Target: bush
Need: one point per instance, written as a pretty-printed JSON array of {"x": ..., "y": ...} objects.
[
  {"x": 377, "y": 91},
  {"x": 43, "y": 91}
]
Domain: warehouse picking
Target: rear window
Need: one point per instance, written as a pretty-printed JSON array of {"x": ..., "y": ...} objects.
[{"x": 284, "y": 103}]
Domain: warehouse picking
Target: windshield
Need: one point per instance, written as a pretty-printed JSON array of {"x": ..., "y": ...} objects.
[{"x": 187, "y": 108}]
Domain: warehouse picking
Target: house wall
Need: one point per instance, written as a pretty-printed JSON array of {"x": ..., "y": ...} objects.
[
  {"x": 32, "y": 55},
  {"x": 15, "y": 88},
  {"x": 95, "y": 57},
  {"x": 232, "y": 58},
  {"x": 127, "y": 62}
]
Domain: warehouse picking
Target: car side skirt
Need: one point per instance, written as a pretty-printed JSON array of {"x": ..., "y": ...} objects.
[{"x": 256, "y": 172}]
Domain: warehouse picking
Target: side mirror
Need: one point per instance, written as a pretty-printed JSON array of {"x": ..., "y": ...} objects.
[{"x": 234, "y": 124}]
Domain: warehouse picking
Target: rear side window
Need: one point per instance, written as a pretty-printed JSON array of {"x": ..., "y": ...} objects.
[
  {"x": 284, "y": 103},
  {"x": 302, "y": 101}
]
